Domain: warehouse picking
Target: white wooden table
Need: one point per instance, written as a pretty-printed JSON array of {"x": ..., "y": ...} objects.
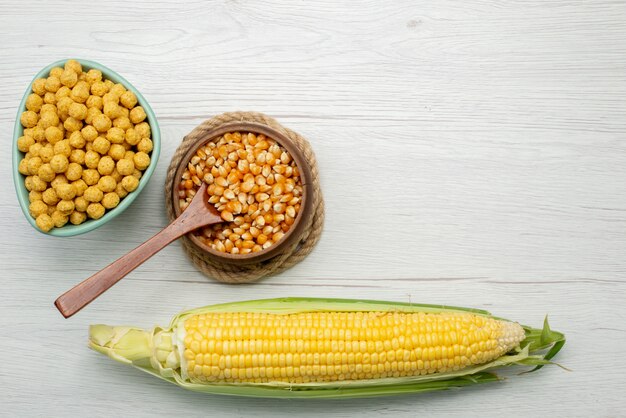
[{"x": 471, "y": 153}]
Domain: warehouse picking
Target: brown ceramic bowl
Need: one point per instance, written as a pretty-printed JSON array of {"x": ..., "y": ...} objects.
[{"x": 294, "y": 233}]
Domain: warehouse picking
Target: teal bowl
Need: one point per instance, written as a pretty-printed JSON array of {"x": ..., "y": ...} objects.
[{"x": 22, "y": 194}]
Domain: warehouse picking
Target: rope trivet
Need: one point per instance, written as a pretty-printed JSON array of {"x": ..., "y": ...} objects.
[{"x": 231, "y": 273}]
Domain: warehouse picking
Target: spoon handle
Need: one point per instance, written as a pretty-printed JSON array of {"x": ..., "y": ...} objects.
[{"x": 83, "y": 293}]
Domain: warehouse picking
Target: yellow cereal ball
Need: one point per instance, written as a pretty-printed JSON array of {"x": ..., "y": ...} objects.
[
  {"x": 34, "y": 102},
  {"x": 80, "y": 186},
  {"x": 132, "y": 137},
  {"x": 45, "y": 172},
  {"x": 91, "y": 176},
  {"x": 49, "y": 119},
  {"x": 78, "y": 111},
  {"x": 141, "y": 160},
  {"x": 39, "y": 86},
  {"x": 37, "y": 208},
  {"x": 92, "y": 112},
  {"x": 93, "y": 76},
  {"x": 76, "y": 140},
  {"x": 38, "y": 184},
  {"x": 44, "y": 222},
  {"x": 101, "y": 145},
  {"x": 80, "y": 92},
  {"x": 121, "y": 191},
  {"x": 59, "y": 179},
  {"x": 145, "y": 145},
  {"x": 34, "y": 195},
  {"x": 74, "y": 66},
  {"x": 47, "y": 107},
  {"x": 63, "y": 105},
  {"x": 117, "y": 152},
  {"x": 129, "y": 155},
  {"x": 99, "y": 88},
  {"x": 29, "y": 184},
  {"x": 112, "y": 110},
  {"x": 127, "y": 146},
  {"x": 128, "y": 99},
  {"x": 46, "y": 153},
  {"x": 124, "y": 113},
  {"x": 51, "y": 209},
  {"x": 50, "y": 197},
  {"x": 72, "y": 124},
  {"x": 53, "y": 134},
  {"x": 65, "y": 191},
  {"x": 115, "y": 135},
  {"x": 34, "y": 163},
  {"x": 110, "y": 200},
  {"x": 110, "y": 98},
  {"x": 102, "y": 123},
  {"x": 93, "y": 194},
  {"x": 77, "y": 156},
  {"x": 107, "y": 184},
  {"x": 59, "y": 163},
  {"x": 92, "y": 158},
  {"x": 94, "y": 101},
  {"x": 23, "y": 167},
  {"x": 52, "y": 84},
  {"x": 125, "y": 167},
  {"x": 29, "y": 119},
  {"x": 38, "y": 133},
  {"x": 130, "y": 183},
  {"x": 122, "y": 122},
  {"x": 118, "y": 89},
  {"x": 24, "y": 142},
  {"x": 29, "y": 131},
  {"x": 74, "y": 172},
  {"x": 109, "y": 84},
  {"x": 63, "y": 92},
  {"x": 50, "y": 98},
  {"x": 65, "y": 206},
  {"x": 137, "y": 115},
  {"x": 63, "y": 148},
  {"x": 69, "y": 78},
  {"x": 56, "y": 71},
  {"x": 77, "y": 218},
  {"x": 95, "y": 210},
  {"x": 88, "y": 133},
  {"x": 59, "y": 218},
  {"x": 80, "y": 204},
  {"x": 106, "y": 165},
  {"x": 116, "y": 176},
  {"x": 35, "y": 149}
]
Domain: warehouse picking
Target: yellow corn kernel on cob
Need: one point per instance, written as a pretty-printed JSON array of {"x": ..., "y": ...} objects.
[{"x": 323, "y": 347}]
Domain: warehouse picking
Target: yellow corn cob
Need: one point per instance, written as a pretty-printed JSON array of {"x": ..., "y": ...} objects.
[
  {"x": 301, "y": 347},
  {"x": 242, "y": 347}
]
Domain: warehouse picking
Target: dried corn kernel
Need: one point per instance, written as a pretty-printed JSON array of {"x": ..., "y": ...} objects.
[{"x": 252, "y": 181}]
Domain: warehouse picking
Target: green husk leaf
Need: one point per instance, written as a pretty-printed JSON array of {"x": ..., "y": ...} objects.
[{"x": 129, "y": 345}]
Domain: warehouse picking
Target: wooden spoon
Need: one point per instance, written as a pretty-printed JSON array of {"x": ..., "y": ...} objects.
[{"x": 199, "y": 213}]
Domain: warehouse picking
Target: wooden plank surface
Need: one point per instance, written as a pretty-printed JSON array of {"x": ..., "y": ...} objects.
[{"x": 471, "y": 153}]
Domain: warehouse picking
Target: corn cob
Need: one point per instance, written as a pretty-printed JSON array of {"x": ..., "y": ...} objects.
[{"x": 300, "y": 347}]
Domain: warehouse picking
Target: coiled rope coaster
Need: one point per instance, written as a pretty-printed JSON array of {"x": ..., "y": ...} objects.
[{"x": 229, "y": 272}]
